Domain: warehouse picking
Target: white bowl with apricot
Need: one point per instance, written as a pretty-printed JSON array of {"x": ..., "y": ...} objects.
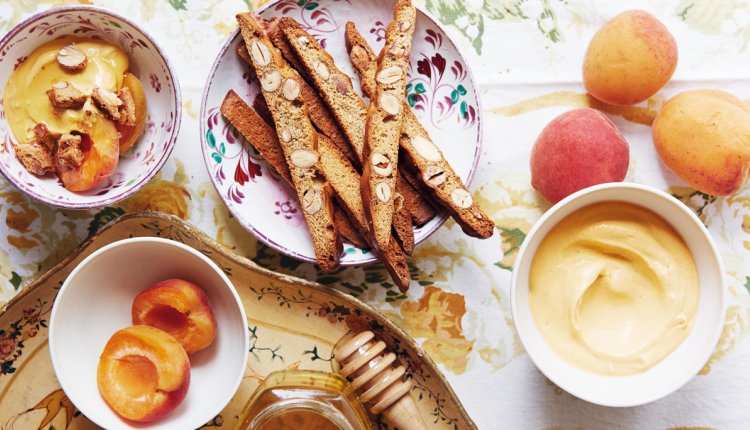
[
  {"x": 90, "y": 107},
  {"x": 148, "y": 333}
]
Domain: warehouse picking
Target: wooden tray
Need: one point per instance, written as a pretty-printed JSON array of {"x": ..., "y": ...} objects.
[{"x": 293, "y": 324}]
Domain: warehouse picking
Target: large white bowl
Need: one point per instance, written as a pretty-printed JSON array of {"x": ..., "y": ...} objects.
[
  {"x": 147, "y": 61},
  {"x": 678, "y": 367},
  {"x": 95, "y": 301}
]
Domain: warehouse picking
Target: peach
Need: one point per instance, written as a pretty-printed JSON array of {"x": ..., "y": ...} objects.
[
  {"x": 629, "y": 59},
  {"x": 143, "y": 373},
  {"x": 130, "y": 134},
  {"x": 101, "y": 151},
  {"x": 703, "y": 136},
  {"x": 180, "y": 308},
  {"x": 578, "y": 149}
]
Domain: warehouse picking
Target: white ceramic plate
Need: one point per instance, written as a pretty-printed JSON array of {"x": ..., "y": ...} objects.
[
  {"x": 95, "y": 301},
  {"x": 677, "y": 368},
  {"x": 441, "y": 91}
]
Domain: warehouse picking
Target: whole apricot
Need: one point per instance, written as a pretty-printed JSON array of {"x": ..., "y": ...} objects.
[
  {"x": 629, "y": 59},
  {"x": 703, "y": 136},
  {"x": 576, "y": 150}
]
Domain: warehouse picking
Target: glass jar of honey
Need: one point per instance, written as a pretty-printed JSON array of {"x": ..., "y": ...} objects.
[{"x": 303, "y": 400}]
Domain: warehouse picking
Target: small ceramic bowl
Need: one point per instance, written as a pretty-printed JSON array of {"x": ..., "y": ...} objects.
[
  {"x": 440, "y": 89},
  {"x": 147, "y": 62},
  {"x": 95, "y": 302},
  {"x": 678, "y": 367}
]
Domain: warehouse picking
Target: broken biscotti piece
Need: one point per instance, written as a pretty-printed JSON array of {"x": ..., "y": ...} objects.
[
  {"x": 280, "y": 87},
  {"x": 63, "y": 95},
  {"x": 127, "y": 109},
  {"x": 35, "y": 158},
  {"x": 262, "y": 136},
  {"x": 420, "y": 153},
  {"x": 118, "y": 106},
  {"x": 384, "y": 121},
  {"x": 68, "y": 154},
  {"x": 41, "y": 134}
]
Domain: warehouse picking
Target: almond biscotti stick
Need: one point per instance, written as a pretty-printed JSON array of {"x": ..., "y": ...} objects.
[
  {"x": 261, "y": 108},
  {"x": 345, "y": 180},
  {"x": 347, "y": 230},
  {"x": 349, "y": 109},
  {"x": 316, "y": 108},
  {"x": 384, "y": 121},
  {"x": 257, "y": 131},
  {"x": 420, "y": 209},
  {"x": 332, "y": 162},
  {"x": 280, "y": 86},
  {"x": 334, "y": 86},
  {"x": 423, "y": 156},
  {"x": 402, "y": 224}
]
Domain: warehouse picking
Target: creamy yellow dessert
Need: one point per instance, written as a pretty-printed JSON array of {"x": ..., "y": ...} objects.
[
  {"x": 613, "y": 288},
  {"x": 73, "y": 107}
]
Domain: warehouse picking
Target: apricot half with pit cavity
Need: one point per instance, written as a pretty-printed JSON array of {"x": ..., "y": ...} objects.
[
  {"x": 143, "y": 374},
  {"x": 180, "y": 308}
]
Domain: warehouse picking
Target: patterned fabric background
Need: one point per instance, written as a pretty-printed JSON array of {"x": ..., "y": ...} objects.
[{"x": 526, "y": 56}]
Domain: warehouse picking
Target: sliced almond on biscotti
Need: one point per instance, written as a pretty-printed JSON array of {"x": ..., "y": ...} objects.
[
  {"x": 347, "y": 107},
  {"x": 316, "y": 107},
  {"x": 334, "y": 86},
  {"x": 272, "y": 71},
  {"x": 345, "y": 181},
  {"x": 419, "y": 152},
  {"x": 261, "y": 135},
  {"x": 384, "y": 121}
]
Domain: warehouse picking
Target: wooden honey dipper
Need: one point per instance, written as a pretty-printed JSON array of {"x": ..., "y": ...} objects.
[{"x": 380, "y": 385}]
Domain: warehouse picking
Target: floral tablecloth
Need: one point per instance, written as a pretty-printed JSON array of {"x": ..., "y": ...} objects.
[{"x": 526, "y": 57}]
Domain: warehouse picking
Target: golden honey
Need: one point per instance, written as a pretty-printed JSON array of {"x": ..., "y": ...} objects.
[{"x": 303, "y": 400}]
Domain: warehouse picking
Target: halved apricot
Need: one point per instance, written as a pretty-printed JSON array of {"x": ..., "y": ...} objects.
[
  {"x": 143, "y": 374},
  {"x": 100, "y": 147},
  {"x": 180, "y": 308},
  {"x": 129, "y": 134}
]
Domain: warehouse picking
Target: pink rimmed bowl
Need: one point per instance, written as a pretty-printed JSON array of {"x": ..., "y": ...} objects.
[
  {"x": 441, "y": 91},
  {"x": 147, "y": 61}
]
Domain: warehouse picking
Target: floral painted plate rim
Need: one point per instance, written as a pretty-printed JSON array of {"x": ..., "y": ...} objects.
[
  {"x": 441, "y": 215},
  {"x": 213, "y": 249},
  {"x": 172, "y": 139}
]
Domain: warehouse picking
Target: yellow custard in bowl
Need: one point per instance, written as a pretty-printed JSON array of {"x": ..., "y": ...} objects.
[
  {"x": 25, "y": 97},
  {"x": 74, "y": 121},
  {"x": 613, "y": 288}
]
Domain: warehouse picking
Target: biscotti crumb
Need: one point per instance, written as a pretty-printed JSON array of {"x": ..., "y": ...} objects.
[
  {"x": 35, "y": 158},
  {"x": 68, "y": 155},
  {"x": 63, "y": 95}
]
